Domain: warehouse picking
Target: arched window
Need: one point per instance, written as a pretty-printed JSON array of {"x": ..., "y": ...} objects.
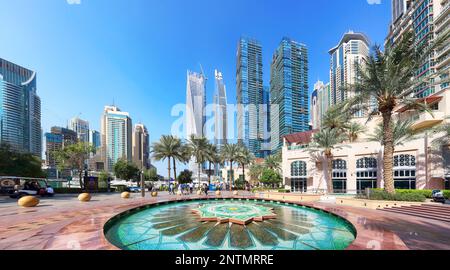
[
  {"x": 366, "y": 173},
  {"x": 405, "y": 172},
  {"x": 299, "y": 176},
  {"x": 298, "y": 168},
  {"x": 339, "y": 176}
]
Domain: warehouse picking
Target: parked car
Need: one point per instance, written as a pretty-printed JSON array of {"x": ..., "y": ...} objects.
[
  {"x": 134, "y": 189},
  {"x": 438, "y": 196},
  {"x": 30, "y": 187}
]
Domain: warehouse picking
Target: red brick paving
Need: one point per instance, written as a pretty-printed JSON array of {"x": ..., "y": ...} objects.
[{"x": 68, "y": 224}]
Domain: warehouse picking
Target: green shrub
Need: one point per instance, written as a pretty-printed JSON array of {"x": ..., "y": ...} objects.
[
  {"x": 447, "y": 194},
  {"x": 284, "y": 191},
  {"x": 376, "y": 194},
  {"x": 79, "y": 190},
  {"x": 427, "y": 193}
]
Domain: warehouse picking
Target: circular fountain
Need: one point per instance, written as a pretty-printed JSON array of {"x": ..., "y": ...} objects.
[{"x": 229, "y": 225}]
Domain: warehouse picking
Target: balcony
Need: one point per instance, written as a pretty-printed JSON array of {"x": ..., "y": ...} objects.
[{"x": 426, "y": 120}]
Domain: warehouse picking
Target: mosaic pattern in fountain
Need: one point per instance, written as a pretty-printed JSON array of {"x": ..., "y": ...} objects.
[{"x": 179, "y": 226}]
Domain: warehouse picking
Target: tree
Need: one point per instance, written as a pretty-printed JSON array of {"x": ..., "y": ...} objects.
[
  {"x": 256, "y": 171},
  {"x": 199, "y": 150},
  {"x": 402, "y": 133},
  {"x": 271, "y": 177},
  {"x": 389, "y": 78},
  {"x": 168, "y": 147},
  {"x": 273, "y": 162},
  {"x": 230, "y": 152},
  {"x": 151, "y": 175},
  {"x": 443, "y": 135},
  {"x": 213, "y": 158},
  {"x": 185, "y": 177},
  {"x": 126, "y": 170},
  {"x": 19, "y": 164},
  {"x": 354, "y": 130},
  {"x": 244, "y": 157},
  {"x": 325, "y": 142},
  {"x": 103, "y": 178},
  {"x": 73, "y": 157}
]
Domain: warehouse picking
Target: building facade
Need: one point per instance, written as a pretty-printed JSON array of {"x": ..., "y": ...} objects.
[
  {"x": 288, "y": 91},
  {"x": 95, "y": 139},
  {"x": 418, "y": 164},
  {"x": 220, "y": 111},
  {"x": 320, "y": 102},
  {"x": 352, "y": 51},
  {"x": 20, "y": 109},
  {"x": 57, "y": 139},
  {"x": 429, "y": 21},
  {"x": 141, "y": 147},
  {"x": 249, "y": 94},
  {"x": 81, "y": 127},
  {"x": 116, "y": 135}
]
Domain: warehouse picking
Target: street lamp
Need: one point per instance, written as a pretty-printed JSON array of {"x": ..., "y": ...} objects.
[{"x": 142, "y": 184}]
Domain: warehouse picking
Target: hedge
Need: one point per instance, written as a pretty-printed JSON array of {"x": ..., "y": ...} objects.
[
  {"x": 376, "y": 194},
  {"x": 79, "y": 190},
  {"x": 425, "y": 192}
]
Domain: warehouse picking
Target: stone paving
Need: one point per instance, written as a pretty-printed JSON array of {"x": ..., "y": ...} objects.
[{"x": 64, "y": 223}]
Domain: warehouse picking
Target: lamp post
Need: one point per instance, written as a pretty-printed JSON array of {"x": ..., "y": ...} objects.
[{"x": 142, "y": 184}]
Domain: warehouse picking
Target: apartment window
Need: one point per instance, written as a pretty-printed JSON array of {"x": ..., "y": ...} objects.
[
  {"x": 366, "y": 174},
  {"x": 339, "y": 176},
  {"x": 405, "y": 172}
]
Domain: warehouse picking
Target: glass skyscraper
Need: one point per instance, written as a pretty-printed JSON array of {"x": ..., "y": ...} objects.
[
  {"x": 250, "y": 90},
  {"x": 20, "y": 109},
  {"x": 116, "y": 136},
  {"x": 220, "y": 111},
  {"x": 81, "y": 127},
  {"x": 288, "y": 91}
]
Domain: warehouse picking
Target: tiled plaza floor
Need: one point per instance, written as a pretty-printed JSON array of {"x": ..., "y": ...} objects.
[{"x": 63, "y": 223}]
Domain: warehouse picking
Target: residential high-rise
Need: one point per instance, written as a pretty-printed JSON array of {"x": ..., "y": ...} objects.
[
  {"x": 20, "y": 109},
  {"x": 352, "y": 50},
  {"x": 116, "y": 132},
  {"x": 56, "y": 140},
  {"x": 141, "y": 147},
  {"x": 249, "y": 86},
  {"x": 195, "y": 109},
  {"x": 264, "y": 126},
  {"x": 95, "y": 138},
  {"x": 288, "y": 91},
  {"x": 429, "y": 21},
  {"x": 220, "y": 111},
  {"x": 81, "y": 127},
  {"x": 320, "y": 102}
]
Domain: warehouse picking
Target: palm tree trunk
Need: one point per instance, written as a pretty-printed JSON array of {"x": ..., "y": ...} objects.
[
  {"x": 209, "y": 174},
  {"x": 174, "y": 168},
  {"x": 168, "y": 168},
  {"x": 231, "y": 175},
  {"x": 243, "y": 172},
  {"x": 330, "y": 174},
  {"x": 199, "y": 168},
  {"x": 388, "y": 155},
  {"x": 81, "y": 179}
]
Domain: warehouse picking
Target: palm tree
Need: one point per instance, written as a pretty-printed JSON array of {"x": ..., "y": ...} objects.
[
  {"x": 244, "y": 158},
  {"x": 443, "y": 132},
  {"x": 353, "y": 130},
  {"x": 212, "y": 157},
  {"x": 403, "y": 132},
  {"x": 388, "y": 78},
  {"x": 230, "y": 152},
  {"x": 256, "y": 171},
  {"x": 199, "y": 150},
  {"x": 337, "y": 117},
  {"x": 168, "y": 147},
  {"x": 325, "y": 142},
  {"x": 273, "y": 162}
]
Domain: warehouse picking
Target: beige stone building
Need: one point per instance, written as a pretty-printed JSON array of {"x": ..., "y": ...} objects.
[{"x": 418, "y": 164}]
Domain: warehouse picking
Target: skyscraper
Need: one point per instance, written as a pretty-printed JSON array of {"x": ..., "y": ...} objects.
[
  {"x": 195, "y": 109},
  {"x": 320, "y": 102},
  {"x": 288, "y": 91},
  {"x": 249, "y": 86},
  {"x": 351, "y": 51},
  {"x": 20, "y": 109},
  {"x": 116, "y": 136},
  {"x": 220, "y": 111},
  {"x": 429, "y": 21},
  {"x": 81, "y": 127},
  {"x": 141, "y": 147},
  {"x": 95, "y": 138},
  {"x": 264, "y": 125},
  {"x": 57, "y": 139}
]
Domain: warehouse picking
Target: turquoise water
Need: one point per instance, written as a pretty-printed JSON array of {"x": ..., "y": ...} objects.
[{"x": 178, "y": 226}]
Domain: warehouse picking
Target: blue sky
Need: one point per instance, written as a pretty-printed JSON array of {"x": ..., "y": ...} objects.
[{"x": 136, "y": 52}]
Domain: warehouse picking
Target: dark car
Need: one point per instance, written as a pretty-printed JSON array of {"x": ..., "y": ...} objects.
[{"x": 438, "y": 196}]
